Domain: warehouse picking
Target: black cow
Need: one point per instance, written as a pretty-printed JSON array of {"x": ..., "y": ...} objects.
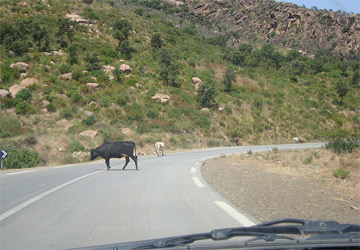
[{"x": 115, "y": 150}]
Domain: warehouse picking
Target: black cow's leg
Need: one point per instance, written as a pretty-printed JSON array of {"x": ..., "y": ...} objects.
[
  {"x": 127, "y": 161},
  {"x": 134, "y": 158},
  {"x": 107, "y": 164}
]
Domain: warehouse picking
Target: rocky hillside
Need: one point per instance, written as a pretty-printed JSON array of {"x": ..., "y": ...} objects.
[
  {"x": 76, "y": 73},
  {"x": 284, "y": 24}
]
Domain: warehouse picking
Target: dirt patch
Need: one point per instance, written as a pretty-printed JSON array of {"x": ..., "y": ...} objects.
[{"x": 289, "y": 184}]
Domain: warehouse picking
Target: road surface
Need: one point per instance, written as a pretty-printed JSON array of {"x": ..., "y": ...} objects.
[{"x": 84, "y": 205}]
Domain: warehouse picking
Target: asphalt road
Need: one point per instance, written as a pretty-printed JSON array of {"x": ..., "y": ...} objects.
[{"x": 84, "y": 205}]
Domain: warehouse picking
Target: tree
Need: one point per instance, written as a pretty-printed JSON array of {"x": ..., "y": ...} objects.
[
  {"x": 298, "y": 68},
  {"x": 206, "y": 94},
  {"x": 169, "y": 68},
  {"x": 355, "y": 78},
  {"x": 229, "y": 78},
  {"x": 91, "y": 60},
  {"x": 72, "y": 59},
  {"x": 65, "y": 28},
  {"x": 122, "y": 30},
  {"x": 125, "y": 49},
  {"x": 156, "y": 41},
  {"x": 341, "y": 88}
]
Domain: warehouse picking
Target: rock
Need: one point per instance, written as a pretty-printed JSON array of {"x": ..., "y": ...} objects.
[
  {"x": 107, "y": 68},
  {"x": 4, "y": 93},
  {"x": 20, "y": 66},
  {"x": 15, "y": 89},
  {"x": 88, "y": 113},
  {"x": 196, "y": 81},
  {"x": 74, "y": 16},
  {"x": 47, "y": 53},
  {"x": 127, "y": 131},
  {"x": 161, "y": 98},
  {"x": 59, "y": 53},
  {"x": 354, "y": 208},
  {"x": 125, "y": 68},
  {"x": 221, "y": 108},
  {"x": 61, "y": 148},
  {"x": 28, "y": 81},
  {"x": 92, "y": 85},
  {"x": 45, "y": 102},
  {"x": 205, "y": 110},
  {"x": 45, "y": 110},
  {"x": 89, "y": 133},
  {"x": 23, "y": 75},
  {"x": 66, "y": 76}
]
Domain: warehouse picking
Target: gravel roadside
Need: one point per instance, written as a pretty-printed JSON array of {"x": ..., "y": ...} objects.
[{"x": 270, "y": 190}]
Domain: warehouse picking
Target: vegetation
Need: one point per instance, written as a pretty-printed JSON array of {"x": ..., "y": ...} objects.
[{"x": 268, "y": 94}]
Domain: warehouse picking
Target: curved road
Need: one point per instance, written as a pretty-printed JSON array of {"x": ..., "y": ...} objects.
[{"x": 84, "y": 205}]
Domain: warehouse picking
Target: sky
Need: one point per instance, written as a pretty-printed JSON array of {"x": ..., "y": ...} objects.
[{"x": 343, "y": 5}]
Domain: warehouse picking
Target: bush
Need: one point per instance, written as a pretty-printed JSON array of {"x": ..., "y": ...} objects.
[
  {"x": 308, "y": 160},
  {"x": 75, "y": 146},
  {"x": 24, "y": 94},
  {"x": 89, "y": 120},
  {"x": 10, "y": 127},
  {"x": 51, "y": 107},
  {"x": 23, "y": 158},
  {"x": 340, "y": 145},
  {"x": 341, "y": 173},
  {"x": 66, "y": 113}
]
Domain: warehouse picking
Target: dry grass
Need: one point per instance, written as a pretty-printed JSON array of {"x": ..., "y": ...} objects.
[{"x": 297, "y": 164}]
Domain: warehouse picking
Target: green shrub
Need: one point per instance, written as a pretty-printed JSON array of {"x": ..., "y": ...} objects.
[
  {"x": 23, "y": 158},
  {"x": 66, "y": 113},
  {"x": 10, "y": 127},
  {"x": 213, "y": 143},
  {"x": 51, "y": 107},
  {"x": 341, "y": 173},
  {"x": 89, "y": 120},
  {"x": 340, "y": 145},
  {"x": 24, "y": 94},
  {"x": 308, "y": 160},
  {"x": 75, "y": 146},
  {"x": 30, "y": 139},
  {"x": 64, "y": 68},
  {"x": 22, "y": 108}
]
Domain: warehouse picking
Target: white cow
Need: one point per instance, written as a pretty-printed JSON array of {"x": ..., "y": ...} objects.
[{"x": 159, "y": 146}]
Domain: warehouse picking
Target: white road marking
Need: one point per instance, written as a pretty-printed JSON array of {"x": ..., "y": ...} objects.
[
  {"x": 66, "y": 166},
  {"x": 193, "y": 170},
  {"x": 235, "y": 214},
  {"x": 22, "y": 172},
  {"x": 197, "y": 163},
  {"x": 42, "y": 195},
  {"x": 198, "y": 182}
]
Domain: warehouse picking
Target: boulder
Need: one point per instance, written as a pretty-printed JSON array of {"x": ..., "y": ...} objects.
[
  {"x": 74, "y": 16},
  {"x": 58, "y": 53},
  {"x": 45, "y": 102},
  {"x": 88, "y": 113},
  {"x": 125, "y": 68},
  {"x": 107, "y": 68},
  {"x": 196, "y": 81},
  {"x": 161, "y": 98},
  {"x": 20, "y": 66},
  {"x": 23, "y": 75},
  {"x": 205, "y": 110},
  {"x": 15, "y": 89},
  {"x": 4, "y": 93},
  {"x": 28, "y": 81},
  {"x": 89, "y": 133},
  {"x": 92, "y": 85},
  {"x": 66, "y": 76}
]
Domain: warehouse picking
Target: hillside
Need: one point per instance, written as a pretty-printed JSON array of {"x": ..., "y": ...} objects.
[{"x": 99, "y": 66}]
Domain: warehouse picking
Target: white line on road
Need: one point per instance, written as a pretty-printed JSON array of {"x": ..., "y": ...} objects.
[
  {"x": 66, "y": 166},
  {"x": 193, "y": 170},
  {"x": 235, "y": 214},
  {"x": 42, "y": 195},
  {"x": 22, "y": 172},
  {"x": 198, "y": 182},
  {"x": 197, "y": 163}
]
